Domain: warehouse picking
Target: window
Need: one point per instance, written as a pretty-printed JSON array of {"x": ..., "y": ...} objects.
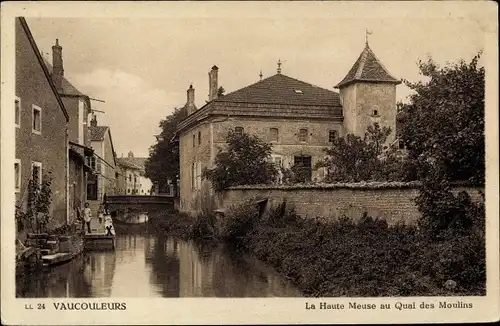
[
  {"x": 36, "y": 172},
  {"x": 238, "y": 130},
  {"x": 199, "y": 137},
  {"x": 17, "y": 174},
  {"x": 193, "y": 178},
  {"x": 375, "y": 113},
  {"x": 198, "y": 175},
  {"x": 130, "y": 177},
  {"x": 135, "y": 179},
  {"x": 274, "y": 134},
  {"x": 92, "y": 162},
  {"x": 194, "y": 140},
  {"x": 298, "y": 91},
  {"x": 98, "y": 165},
  {"x": 37, "y": 120},
  {"x": 332, "y": 135},
  {"x": 303, "y": 167},
  {"x": 303, "y": 135},
  {"x": 401, "y": 144},
  {"x": 277, "y": 160},
  {"x": 17, "y": 112}
]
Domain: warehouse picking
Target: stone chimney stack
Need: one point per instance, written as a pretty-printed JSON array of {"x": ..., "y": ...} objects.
[
  {"x": 212, "y": 80},
  {"x": 57, "y": 66},
  {"x": 190, "y": 100},
  {"x": 130, "y": 154},
  {"x": 93, "y": 122}
]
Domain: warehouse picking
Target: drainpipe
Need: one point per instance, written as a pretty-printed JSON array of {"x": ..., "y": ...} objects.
[{"x": 67, "y": 172}]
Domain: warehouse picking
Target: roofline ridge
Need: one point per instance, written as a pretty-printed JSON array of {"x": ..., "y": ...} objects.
[
  {"x": 362, "y": 61},
  {"x": 381, "y": 64}
]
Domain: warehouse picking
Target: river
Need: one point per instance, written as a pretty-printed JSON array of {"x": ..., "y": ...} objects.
[{"x": 145, "y": 264}]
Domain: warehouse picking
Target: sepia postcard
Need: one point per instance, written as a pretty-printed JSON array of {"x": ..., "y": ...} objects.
[{"x": 269, "y": 162}]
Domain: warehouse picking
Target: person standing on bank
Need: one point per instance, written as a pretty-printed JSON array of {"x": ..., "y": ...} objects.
[
  {"x": 87, "y": 216},
  {"x": 105, "y": 202}
]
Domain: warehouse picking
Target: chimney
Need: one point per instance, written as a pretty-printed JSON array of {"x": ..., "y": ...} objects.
[
  {"x": 190, "y": 100},
  {"x": 93, "y": 122},
  {"x": 212, "y": 80},
  {"x": 130, "y": 154},
  {"x": 57, "y": 66}
]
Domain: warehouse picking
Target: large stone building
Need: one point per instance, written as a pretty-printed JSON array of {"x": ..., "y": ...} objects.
[
  {"x": 41, "y": 122},
  {"x": 298, "y": 118}
]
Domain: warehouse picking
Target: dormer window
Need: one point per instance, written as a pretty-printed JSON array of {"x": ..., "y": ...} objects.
[{"x": 298, "y": 91}]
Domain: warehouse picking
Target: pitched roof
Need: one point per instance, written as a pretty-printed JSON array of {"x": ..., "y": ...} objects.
[
  {"x": 41, "y": 61},
  {"x": 97, "y": 132},
  {"x": 368, "y": 68},
  {"x": 67, "y": 87},
  {"x": 281, "y": 89},
  {"x": 132, "y": 162}
]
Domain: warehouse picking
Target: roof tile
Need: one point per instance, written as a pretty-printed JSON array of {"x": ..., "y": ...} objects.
[
  {"x": 281, "y": 89},
  {"x": 97, "y": 132},
  {"x": 368, "y": 68},
  {"x": 132, "y": 162}
]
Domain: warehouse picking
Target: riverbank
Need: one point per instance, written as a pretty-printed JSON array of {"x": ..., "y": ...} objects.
[{"x": 344, "y": 258}]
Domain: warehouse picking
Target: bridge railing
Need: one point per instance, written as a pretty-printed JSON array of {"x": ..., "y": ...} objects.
[{"x": 138, "y": 199}]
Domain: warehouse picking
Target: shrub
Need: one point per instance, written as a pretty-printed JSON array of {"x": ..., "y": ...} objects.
[
  {"x": 239, "y": 221},
  {"x": 282, "y": 215},
  {"x": 204, "y": 226},
  {"x": 445, "y": 215}
]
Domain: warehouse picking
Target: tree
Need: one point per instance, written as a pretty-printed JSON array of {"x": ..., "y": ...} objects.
[
  {"x": 443, "y": 124},
  {"x": 220, "y": 91},
  {"x": 353, "y": 159},
  {"x": 162, "y": 164},
  {"x": 244, "y": 162}
]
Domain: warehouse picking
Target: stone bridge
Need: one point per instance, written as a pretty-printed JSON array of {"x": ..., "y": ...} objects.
[{"x": 118, "y": 203}]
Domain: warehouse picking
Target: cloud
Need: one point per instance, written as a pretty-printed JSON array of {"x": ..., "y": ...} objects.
[{"x": 133, "y": 107}]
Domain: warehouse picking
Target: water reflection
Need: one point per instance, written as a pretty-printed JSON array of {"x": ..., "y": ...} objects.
[{"x": 146, "y": 265}]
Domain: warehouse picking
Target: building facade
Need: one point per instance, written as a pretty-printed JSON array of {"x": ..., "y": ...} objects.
[
  {"x": 131, "y": 179},
  {"x": 79, "y": 109},
  {"x": 299, "y": 119},
  {"x": 41, "y": 123},
  {"x": 103, "y": 162}
]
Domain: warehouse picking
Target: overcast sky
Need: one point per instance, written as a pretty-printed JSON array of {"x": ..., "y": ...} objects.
[{"x": 142, "y": 67}]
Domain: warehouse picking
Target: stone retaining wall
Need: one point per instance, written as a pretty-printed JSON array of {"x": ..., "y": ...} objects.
[{"x": 393, "y": 201}]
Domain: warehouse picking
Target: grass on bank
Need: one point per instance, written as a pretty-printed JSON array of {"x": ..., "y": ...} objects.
[{"x": 348, "y": 258}]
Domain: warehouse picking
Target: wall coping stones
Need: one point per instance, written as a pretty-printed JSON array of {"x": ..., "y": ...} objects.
[{"x": 346, "y": 185}]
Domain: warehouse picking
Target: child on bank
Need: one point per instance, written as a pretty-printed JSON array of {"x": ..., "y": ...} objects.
[
  {"x": 101, "y": 213},
  {"x": 108, "y": 225},
  {"x": 87, "y": 216}
]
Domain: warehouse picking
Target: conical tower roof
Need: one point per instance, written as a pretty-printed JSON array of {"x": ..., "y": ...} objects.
[{"x": 368, "y": 68}]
